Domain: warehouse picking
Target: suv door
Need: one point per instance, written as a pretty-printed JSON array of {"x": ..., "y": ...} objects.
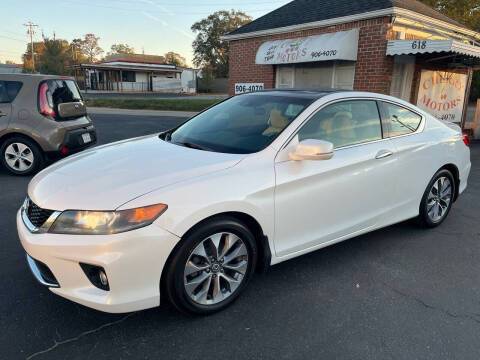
[
  {"x": 318, "y": 202},
  {"x": 5, "y": 106}
]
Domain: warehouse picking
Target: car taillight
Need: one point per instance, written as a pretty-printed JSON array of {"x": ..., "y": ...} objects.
[
  {"x": 466, "y": 139},
  {"x": 45, "y": 107}
]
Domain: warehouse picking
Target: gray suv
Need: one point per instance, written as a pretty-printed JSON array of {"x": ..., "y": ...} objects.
[{"x": 42, "y": 118}]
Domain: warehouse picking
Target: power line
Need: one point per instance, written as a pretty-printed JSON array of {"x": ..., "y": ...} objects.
[{"x": 11, "y": 38}]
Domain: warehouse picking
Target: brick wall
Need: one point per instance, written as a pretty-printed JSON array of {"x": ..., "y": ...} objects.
[{"x": 373, "y": 70}]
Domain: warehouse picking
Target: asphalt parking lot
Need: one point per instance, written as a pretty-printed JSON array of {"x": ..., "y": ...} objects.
[{"x": 397, "y": 293}]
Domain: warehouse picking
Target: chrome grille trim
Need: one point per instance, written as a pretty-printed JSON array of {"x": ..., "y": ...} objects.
[{"x": 30, "y": 226}]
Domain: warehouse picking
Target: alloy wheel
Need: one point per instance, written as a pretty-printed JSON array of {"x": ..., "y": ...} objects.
[
  {"x": 439, "y": 199},
  {"x": 19, "y": 156},
  {"x": 215, "y": 268}
]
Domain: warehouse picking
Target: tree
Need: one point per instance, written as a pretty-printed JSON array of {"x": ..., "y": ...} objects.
[
  {"x": 10, "y": 62},
  {"x": 464, "y": 11},
  {"x": 55, "y": 58},
  {"x": 38, "y": 49},
  {"x": 176, "y": 59},
  {"x": 121, "y": 49},
  {"x": 77, "y": 51},
  {"x": 208, "y": 48},
  {"x": 90, "y": 48}
]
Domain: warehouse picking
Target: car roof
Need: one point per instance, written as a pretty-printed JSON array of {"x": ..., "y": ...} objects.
[
  {"x": 309, "y": 93},
  {"x": 35, "y": 77}
]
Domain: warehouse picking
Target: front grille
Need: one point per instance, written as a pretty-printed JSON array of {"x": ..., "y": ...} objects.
[{"x": 36, "y": 214}]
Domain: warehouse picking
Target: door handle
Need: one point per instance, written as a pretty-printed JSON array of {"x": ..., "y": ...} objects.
[
  {"x": 383, "y": 154},
  {"x": 2, "y": 114}
]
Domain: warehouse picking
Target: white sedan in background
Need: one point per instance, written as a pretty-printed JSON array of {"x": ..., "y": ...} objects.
[{"x": 253, "y": 181}]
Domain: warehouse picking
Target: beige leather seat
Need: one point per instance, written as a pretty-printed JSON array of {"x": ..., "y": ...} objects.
[{"x": 277, "y": 122}]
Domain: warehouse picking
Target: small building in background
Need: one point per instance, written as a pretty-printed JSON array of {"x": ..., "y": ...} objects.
[
  {"x": 10, "y": 68},
  {"x": 135, "y": 73}
]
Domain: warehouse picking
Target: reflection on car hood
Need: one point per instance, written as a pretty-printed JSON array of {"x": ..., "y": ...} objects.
[{"x": 106, "y": 177}]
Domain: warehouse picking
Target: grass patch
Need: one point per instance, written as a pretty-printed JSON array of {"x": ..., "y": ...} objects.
[{"x": 154, "y": 104}]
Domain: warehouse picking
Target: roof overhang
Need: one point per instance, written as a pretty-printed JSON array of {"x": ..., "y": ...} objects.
[
  {"x": 407, "y": 47},
  {"x": 342, "y": 45},
  {"x": 393, "y": 11},
  {"x": 127, "y": 68}
]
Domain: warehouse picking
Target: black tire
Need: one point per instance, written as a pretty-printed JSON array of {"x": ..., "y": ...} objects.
[
  {"x": 37, "y": 153},
  {"x": 174, "y": 279},
  {"x": 424, "y": 218}
]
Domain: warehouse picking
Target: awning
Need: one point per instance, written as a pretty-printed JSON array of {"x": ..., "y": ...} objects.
[
  {"x": 406, "y": 47},
  {"x": 341, "y": 45}
]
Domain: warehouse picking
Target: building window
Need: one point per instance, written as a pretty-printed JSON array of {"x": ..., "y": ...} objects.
[
  {"x": 402, "y": 77},
  {"x": 128, "y": 76},
  {"x": 332, "y": 74}
]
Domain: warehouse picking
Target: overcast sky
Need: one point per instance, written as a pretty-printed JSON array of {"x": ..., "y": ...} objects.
[{"x": 157, "y": 26}]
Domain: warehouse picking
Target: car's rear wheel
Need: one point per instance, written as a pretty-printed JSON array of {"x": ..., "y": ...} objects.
[
  {"x": 212, "y": 266},
  {"x": 437, "y": 199},
  {"x": 21, "y": 156}
]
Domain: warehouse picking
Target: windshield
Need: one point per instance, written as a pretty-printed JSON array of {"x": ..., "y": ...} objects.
[{"x": 242, "y": 124}]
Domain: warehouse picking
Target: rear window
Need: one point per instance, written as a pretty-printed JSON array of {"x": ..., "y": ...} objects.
[
  {"x": 62, "y": 91},
  {"x": 9, "y": 90}
]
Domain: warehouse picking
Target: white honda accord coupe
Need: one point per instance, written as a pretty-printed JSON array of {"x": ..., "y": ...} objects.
[{"x": 256, "y": 180}]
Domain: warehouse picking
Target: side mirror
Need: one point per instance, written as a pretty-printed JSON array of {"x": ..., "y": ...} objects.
[
  {"x": 311, "y": 149},
  {"x": 72, "y": 109}
]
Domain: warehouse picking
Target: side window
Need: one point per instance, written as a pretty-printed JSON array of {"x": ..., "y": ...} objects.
[
  {"x": 344, "y": 123},
  {"x": 402, "y": 121},
  {"x": 3, "y": 93},
  {"x": 9, "y": 90}
]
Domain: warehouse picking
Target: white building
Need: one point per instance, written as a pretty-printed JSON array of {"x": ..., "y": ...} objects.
[{"x": 135, "y": 73}]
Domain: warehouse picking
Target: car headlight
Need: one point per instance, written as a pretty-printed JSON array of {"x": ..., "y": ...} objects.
[{"x": 83, "y": 222}]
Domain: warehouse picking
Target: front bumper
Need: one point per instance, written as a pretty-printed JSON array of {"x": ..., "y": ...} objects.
[{"x": 133, "y": 262}]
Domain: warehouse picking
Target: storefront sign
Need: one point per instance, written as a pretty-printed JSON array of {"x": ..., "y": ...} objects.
[
  {"x": 442, "y": 94},
  {"x": 341, "y": 45},
  {"x": 241, "y": 88}
]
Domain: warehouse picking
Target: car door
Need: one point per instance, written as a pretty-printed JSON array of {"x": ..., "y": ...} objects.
[
  {"x": 5, "y": 106},
  {"x": 318, "y": 202},
  {"x": 415, "y": 154}
]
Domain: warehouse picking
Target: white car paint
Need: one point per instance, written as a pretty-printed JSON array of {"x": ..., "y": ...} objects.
[{"x": 300, "y": 205}]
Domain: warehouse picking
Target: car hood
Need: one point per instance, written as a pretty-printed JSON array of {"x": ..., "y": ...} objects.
[{"x": 108, "y": 176}]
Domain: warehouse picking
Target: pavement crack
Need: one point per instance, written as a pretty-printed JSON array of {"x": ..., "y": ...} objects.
[
  {"x": 473, "y": 317},
  {"x": 78, "y": 337}
]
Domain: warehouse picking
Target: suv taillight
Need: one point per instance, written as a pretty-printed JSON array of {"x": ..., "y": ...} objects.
[
  {"x": 43, "y": 104},
  {"x": 466, "y": 139}
]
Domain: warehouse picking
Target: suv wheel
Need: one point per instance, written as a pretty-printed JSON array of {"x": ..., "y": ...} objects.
[{"x": 21, "y": 156}]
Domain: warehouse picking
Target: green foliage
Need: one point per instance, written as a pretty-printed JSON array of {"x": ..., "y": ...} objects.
[
  {"x": 154, "y": 104},
  {"x": 464, "y": 11},
  {"x": 209, "y": 50},
  {"x": 89, "y": 47},
  {"x": 54, "y": 58},
  {"x": 176, "y": 59},
  {"x": 121, "y": 49}
]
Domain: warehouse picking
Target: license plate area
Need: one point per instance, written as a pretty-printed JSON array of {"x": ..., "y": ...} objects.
[{"x": 86, "y": 138}]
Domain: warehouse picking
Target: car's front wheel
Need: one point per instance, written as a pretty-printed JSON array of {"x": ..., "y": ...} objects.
[
  {"x": 437, "y": 199},
  {"x": 21, "y": 156},
  {"x": 212, "y": 266}
]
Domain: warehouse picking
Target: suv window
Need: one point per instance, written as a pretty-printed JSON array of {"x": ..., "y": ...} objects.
[
  {"x": 62, "y": 91},
  {"x": 402, "y": 121},
  {"x": 9, "y": 90},
  {"x": 344, "y": 123}
]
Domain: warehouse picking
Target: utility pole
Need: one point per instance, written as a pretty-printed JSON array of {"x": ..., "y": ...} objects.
[{"x": 31, "y": 32}]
